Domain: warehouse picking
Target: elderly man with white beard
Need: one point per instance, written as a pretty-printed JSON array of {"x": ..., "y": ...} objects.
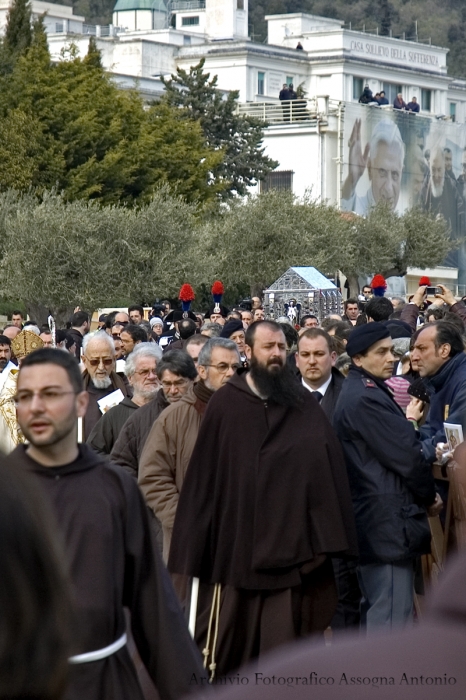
[
  {"x": 100, "y": 378},
  {"x": 440, "y": 196},
  {"x": 141, "y": 372}
]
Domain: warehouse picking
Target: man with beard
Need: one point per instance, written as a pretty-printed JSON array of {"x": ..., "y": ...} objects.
[
  {"x": 5, "y": 358},
  {"x": 141, "y": 371},
  {"x": 264, "y": 504},
  {"x": 109, "y": 551},
  {"x": 440, "y": 196},
  {"x": 100, "y": 378}
]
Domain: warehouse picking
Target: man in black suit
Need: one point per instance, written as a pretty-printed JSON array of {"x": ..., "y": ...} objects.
[{"x": 315, "y": 360}]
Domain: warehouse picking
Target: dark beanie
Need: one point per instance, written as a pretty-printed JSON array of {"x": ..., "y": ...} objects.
[
  {"x": 398, "y": 328},
  {"x": 363, "y": 337},
  {"x": 231, "y": 327}
]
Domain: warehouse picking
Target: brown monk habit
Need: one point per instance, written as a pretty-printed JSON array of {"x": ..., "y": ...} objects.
[
  {"x": 265, "y": 499},
  {"x": 103, "y": 523}
]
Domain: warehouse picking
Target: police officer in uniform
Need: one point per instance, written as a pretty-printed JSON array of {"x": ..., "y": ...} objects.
[{"x": 391, "y": 481}]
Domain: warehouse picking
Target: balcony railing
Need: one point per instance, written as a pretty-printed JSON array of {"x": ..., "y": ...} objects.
[
  {"x": 188, "y": 5},
  {"x": 290, "y": 110}
]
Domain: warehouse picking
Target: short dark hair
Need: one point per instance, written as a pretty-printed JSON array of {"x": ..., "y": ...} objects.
[
  {"x": 138, "y": 334},
  {"x": 437, "y": 312},
  {"x": 52, "y": 356},
  {"x": 350, "y": 301},
  {"x": 186, "y": 328},
  {"x": 197, "y": 339},
  {"x": 79, "y": 318},
  {"x": 178, "y": 362},
  {"x": 343, "y": 330},
  {"x": 136, "y": 307},
  {"x": 313, "y": 333},
  {"x": 379, "y": 309},
  {"x": 291, "y": 334},
  {"x": 4, "y": 340},
  {"x": 448, "y": 333},
  {"x": 251, "y": 331},
  {"x": 17, "y": 313},
  {"x": 305, "y": 317}
]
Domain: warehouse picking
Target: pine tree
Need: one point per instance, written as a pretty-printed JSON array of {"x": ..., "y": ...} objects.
[
  {"x": 238, "y": 137},
  {"x": 18, "y": 34}
]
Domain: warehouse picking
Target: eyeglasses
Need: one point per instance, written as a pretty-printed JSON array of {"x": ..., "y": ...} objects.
[
  {"x": 48, "y": 396},
  {"x": 107, "y": 361},
  {"x": 116, "y": 336},
  {"x": 146, "y": 372},
  {"x": 223, "y": 367},
  {"x": 174, "y": 385}
]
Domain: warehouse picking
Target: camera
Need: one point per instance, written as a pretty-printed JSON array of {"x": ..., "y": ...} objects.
[{"x": 432, "y": 291}]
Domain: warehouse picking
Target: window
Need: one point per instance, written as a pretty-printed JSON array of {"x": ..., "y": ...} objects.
[
  {"x": 453, "y": 111},
  {"x": 260, "y": 83},
  {"x": 240, "y": 4},
  {"x": 289, "y": 80},
  {"x": 189, "y": 21},
  {"x": 278, "y": 180},
  {"x": 186, "y": 40},
  {"x": 426, "y": 100},
  {"x": 391, "y": 91},
  {"x": 59, "y": 27},
  {"x": 357, "y": 88}
]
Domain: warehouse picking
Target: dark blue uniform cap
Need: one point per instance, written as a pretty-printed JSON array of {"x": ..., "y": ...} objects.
[{"x": 363, "y": 337}]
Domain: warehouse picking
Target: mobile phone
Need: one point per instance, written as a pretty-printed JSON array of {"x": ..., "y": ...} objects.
[{"x": 432, "y": 291}]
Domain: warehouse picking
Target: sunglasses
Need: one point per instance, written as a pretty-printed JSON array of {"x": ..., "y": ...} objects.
[{"x": 107, "y": 362}]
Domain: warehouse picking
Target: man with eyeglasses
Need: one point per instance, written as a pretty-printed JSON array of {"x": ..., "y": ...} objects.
[
  {"x": 176, "y": 373},
  {"x": 100, "y": 378},
  {"x": 105, "y": 533},
  {"x": 169, "y": 445},
  {"x": 141, "y": 371}
]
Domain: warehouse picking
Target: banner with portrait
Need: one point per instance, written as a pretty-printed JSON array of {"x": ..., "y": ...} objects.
[{"x": 406, "y": 160}]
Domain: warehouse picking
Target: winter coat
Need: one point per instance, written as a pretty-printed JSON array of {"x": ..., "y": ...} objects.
[
  {"x": 390, "y": 481},
  {"x": 447, "y": 391}
]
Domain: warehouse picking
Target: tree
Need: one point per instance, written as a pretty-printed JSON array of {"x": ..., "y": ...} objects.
[
  {"x": 18, "y": 34},
  {"x": 72, "y": 128},
  {"x": 238, "y": 137},
  {"x": 254, "y": 242},
  {"x": 60, "y": 254}
]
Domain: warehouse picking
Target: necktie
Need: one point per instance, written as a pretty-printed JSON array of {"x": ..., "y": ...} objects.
[{"x": 317, "y": 395}]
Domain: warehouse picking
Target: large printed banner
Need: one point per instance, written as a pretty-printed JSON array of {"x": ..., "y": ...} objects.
[{"x": 406, "y": 160}]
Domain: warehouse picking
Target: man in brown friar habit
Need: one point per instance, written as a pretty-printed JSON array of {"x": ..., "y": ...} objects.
[
  {"x": 264, "y": 505},
  {"x": 102, "y": 521}
]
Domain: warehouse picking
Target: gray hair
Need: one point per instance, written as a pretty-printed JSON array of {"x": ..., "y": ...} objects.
[
  {"x": 214, "y": 328},
  {"x": 205, "y": 355},
  {"x": 142, "y": 350},
  {"x": 98, "y": 335}
]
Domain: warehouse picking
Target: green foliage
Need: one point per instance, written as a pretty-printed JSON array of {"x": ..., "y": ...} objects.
[
  {"x": 61, "y": 254},
  {"x": 238, "y": 138},
  {"x": 67, "y": 125},
  {"x": 254, "y": 242},
  {"x": 18, "y": 34}
]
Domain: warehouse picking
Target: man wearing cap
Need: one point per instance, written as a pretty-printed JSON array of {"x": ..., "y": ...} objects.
[
  {"x": 390, "y": 479},
  {"x": 234, "y": 330}
]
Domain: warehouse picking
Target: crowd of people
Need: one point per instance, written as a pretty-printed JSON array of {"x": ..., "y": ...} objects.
[
  {"x": 198, "y": 489},
  {"x": 379, "y": 99}
]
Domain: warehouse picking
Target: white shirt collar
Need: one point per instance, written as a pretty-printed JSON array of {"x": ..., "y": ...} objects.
[{"x": 321, "y": 389}]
